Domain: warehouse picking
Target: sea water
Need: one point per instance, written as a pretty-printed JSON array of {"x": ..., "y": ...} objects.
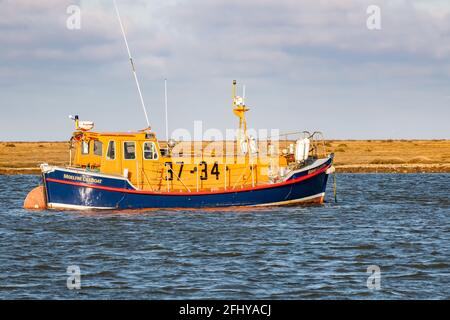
[{"x": 387, "y": 237}]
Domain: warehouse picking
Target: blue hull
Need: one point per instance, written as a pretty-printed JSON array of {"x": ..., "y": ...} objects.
[{"x": 79, "y": 189}]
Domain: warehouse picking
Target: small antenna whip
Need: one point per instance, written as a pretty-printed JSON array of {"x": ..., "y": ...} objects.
[
  {"x": 132, "y": 64},
  {"x": 165, "y": 102}
]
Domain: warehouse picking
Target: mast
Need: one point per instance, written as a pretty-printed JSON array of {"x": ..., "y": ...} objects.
[
  {"x": 239, "y": 109},
  {"x": 132, "y": 64},
  {"x": 165, "y": 103}
]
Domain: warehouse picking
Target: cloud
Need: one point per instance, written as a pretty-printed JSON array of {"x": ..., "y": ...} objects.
[
  {"x": 272, "y": 33},
  {"x": 218, "y": 38}
]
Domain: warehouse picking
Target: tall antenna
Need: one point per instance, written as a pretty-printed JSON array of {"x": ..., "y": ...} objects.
[
  {"x": 165, "y": 102},
  {"x": 132, "y": 64}
]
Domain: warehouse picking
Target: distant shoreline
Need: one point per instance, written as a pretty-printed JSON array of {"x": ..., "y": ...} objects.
[{"x": 351, "y": 156}]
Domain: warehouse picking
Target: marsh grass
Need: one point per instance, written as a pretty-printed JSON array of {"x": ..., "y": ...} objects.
[
  {"x": 361, "y": 154},
  {"x": 388, "y": 161}
]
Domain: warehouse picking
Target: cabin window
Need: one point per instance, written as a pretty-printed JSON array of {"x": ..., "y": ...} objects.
[
  {"x": 111, "y": 153},
  {"x": 150, "y": 152},
  {"x": 129, "y": 150},
  {"x": 98, "y": 148},
  {"x": 84, "y": 147}
]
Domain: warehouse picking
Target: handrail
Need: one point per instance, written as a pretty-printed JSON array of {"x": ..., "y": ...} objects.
[
  {"x": 173, "y": 172},
  {"x": 291, "y": 133}
]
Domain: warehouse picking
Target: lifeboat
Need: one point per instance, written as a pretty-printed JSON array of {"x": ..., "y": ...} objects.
[{"x": 135, "y": 170}]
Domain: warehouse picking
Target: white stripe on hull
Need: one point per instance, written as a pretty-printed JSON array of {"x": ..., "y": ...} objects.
[
  {"x": 75, "y": 207},
  {"x": 280, "y": 203},
  {"x": 288, "y": 202}
]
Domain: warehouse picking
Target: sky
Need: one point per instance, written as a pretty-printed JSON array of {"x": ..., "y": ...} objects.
[{"x": 306, "y": 64}]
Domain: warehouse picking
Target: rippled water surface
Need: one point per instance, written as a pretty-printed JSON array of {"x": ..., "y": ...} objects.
[{"x": 399, "y": 222}]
